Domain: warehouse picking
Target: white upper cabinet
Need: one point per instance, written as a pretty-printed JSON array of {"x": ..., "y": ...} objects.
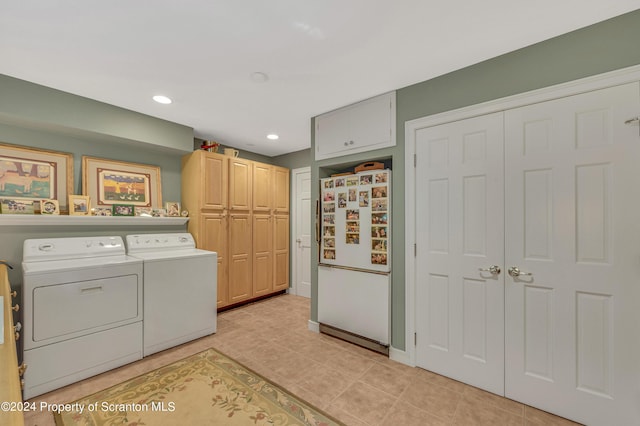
[{"x": 367, "y": 125}]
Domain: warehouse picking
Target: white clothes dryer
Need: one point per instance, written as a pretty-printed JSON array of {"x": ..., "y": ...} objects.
[
  {"x": 180, "y": 289},
  {"x": 82, "y": 300}
]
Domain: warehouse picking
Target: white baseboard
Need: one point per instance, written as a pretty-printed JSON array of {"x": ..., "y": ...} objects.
[
  {"x": 400, "y": 356},
  {"x": 314, "y": 326}
]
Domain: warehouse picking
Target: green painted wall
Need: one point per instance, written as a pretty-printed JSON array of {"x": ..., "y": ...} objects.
[
  {"x": 40, "y": 117},
  {"x": 596, "y": 49},
  {"x": 294, "y": 160},
  {"x": 35, "y": 106}
]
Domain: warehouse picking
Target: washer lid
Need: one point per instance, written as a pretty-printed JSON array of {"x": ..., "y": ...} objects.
[
  {"x": 149, "y": 256},
  {"x": 47, "y": 249}
]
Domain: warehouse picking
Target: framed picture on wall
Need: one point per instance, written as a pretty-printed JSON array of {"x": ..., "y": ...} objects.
[
  {"x": 110, "y": 182},
  {"x": 32, "y": 175}
]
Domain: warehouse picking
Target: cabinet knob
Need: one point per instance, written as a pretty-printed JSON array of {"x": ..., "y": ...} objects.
[
  {"x": 21, "y": 384},
  {"x": 16, "y": 307},
  {"x": 346, "y": 144},
  {"x": 22, "y": 368},
  {"x": 17, "y": 336},
  {"x": 350, "y": 142},
  {"x": 13, "y": 293}
]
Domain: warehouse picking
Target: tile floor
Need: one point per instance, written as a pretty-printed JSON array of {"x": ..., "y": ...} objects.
[{"x": 355, "y": 385}]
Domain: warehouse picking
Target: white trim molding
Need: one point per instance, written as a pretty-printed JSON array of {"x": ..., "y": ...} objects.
[
  {"x": 400, "y": 356},
  {"x": 314, "y": 326}
]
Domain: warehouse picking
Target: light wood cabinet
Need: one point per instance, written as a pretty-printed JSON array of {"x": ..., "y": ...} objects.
[
  {"x": 360, "y": 127},
  {"x": 10, "y": 382},
  {"x": 262, "y": 184},
  {"x": 262, "y": 254},
  {"x": 240, "y": 276},
  {"x": 240, "y": 184},
  {"x": 281, "y": 193},
  {"x": 281, "y": 253},
  {"x": 214, "y": 193},
  {"x": 214, "y": 237},
  {"x": 239, "y": 209}
]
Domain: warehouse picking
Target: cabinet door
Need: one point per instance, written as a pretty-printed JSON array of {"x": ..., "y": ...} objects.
[
  {"x": 281, "y": 253},
  {"x": 370, "y": 123},
  {"x": 215, "y": 168},
  {"x": 262, "y": 187},
  {"x": 214, "y": 233},
  {"x": 332, "y": 133},
  {"x": 281, "y": 190},
  {"x": 240, "y": 272},
  {"x": 262, "y": 254},
  {"x": 239, "y": 184},
  {"x": 360, "y": 127}
]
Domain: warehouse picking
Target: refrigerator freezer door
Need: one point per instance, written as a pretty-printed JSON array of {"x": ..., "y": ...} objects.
[{"x": 355, "y": 301}]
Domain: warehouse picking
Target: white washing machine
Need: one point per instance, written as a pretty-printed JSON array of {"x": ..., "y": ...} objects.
[
  {"x": 82, "y": 300},
  {"x": 180, "y": 289}
]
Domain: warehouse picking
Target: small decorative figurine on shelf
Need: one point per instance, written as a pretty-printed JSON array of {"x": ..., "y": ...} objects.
[{"x": 210, "y": 146}]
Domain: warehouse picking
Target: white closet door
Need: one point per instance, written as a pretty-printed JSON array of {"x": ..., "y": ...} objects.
[
  {"x": 572, "y": 191},
  {"x": 459, "y": 231}
]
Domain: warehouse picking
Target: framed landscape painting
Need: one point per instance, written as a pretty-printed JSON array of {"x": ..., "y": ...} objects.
[
  {"x": 31, "y": 174},
  {"x": 110, "y": 182}
]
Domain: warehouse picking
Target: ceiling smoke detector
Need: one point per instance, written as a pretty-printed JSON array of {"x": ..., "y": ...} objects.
[{"x": 259, "y": 77}]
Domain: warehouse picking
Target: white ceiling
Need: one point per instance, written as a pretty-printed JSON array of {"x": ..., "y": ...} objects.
[{"x": 319, "y": 55}]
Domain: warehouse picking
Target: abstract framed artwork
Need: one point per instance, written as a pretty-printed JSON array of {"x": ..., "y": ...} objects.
[
  {"x": 110, "y": 182},
  {"x": 32, "y": 174}
]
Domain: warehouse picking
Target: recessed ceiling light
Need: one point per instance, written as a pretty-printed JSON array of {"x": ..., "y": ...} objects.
[
  {"x": 273, "y": 136},
  {"x": 162, "y": 99}
]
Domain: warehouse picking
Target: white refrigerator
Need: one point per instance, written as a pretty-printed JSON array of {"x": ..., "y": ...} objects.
[{"x": 354, "y": 272}]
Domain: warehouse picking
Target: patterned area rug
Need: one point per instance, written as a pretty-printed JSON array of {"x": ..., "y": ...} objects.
[{"x": 204, "y": 389}]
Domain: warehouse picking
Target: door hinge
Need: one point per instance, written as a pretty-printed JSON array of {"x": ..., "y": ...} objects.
[
  {"x": 415, "y": 339},
  {"x": 415, "y": 250},
  {"x": 415, "y": 160}
]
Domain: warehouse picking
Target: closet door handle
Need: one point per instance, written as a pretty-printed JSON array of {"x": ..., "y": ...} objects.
[
  {"x": 515, "y": 272},
  {"x": 494, "y": 269}
]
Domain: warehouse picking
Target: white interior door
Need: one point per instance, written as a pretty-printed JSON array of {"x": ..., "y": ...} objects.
[
  {"x": 302, "y": 234},
  {"x": 573, "y": 224},
  {"x": 460, "y": 235}
]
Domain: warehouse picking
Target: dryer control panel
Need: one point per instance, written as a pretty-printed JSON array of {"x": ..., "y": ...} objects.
[{"x": 46, "y": 249}]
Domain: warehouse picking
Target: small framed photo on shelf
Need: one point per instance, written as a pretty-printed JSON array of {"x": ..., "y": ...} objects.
[
  {"x": 143, "y": 211},
  {"x": 101, "y": 211},
  {"x": 172, "y": 208},
  {"x": 49, "y": 207},
  {"x": 79, "y": 205},
  {"x": 159, "y": 212},
  {"x": 123, "y": 210},
  {"x": 16, "y": 207}
]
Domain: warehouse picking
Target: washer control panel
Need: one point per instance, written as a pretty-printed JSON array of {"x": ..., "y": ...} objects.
[{"x": 159, "y": 242}]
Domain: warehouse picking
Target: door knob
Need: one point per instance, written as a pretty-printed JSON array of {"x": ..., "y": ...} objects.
[
  {"x": 514, "y": 271},
  {"x": 494, "y": 269}
]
